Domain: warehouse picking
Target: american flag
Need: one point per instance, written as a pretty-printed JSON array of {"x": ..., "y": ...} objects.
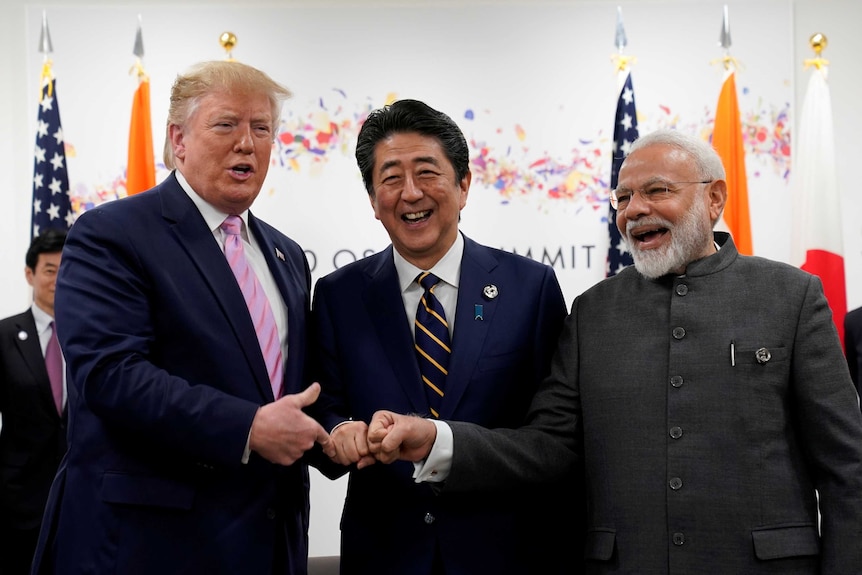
[
  {"x": 625, "y": 133},
  {"x": 52, "y": 207}
]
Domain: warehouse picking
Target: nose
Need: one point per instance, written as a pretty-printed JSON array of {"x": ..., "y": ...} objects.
[
  {"x": 637, "y": 205},
  {"x": 410, "y": 191},
  {"x": 245, "y": 141}
]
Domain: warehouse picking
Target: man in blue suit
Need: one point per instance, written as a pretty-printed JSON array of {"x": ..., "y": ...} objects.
[
  {"x": 182, "y": 458},
  {"x": 504, "y": 313}
]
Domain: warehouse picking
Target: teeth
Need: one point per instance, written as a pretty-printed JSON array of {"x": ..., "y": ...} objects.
[{"x": 416, "y": 216}]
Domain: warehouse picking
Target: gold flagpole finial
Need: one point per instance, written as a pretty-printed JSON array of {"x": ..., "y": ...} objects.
[
  {"x": 817, "y": 42},
  {"x": 228, "y": 41},
  {"x": 621, "y": 61},
  {"x": 45, "y": 48},
  {"x": 724, "y": 40},
  {"x": 138, "y": 51}
]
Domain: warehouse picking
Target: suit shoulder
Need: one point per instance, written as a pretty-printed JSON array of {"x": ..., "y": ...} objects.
[
  {"x": 522, "y": 264},
  {"x": 13, "y": 321},
  {"x": 770, "y": 270},
  {"x": 351, "y": 272}
]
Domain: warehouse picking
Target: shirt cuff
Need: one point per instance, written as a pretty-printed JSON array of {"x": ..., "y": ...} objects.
[{"x": 435, "y": 468}]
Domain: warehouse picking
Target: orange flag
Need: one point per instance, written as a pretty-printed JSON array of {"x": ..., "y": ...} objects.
[
  {"x": 727, "y": 141},
  {"x": 141, "y": 170}
]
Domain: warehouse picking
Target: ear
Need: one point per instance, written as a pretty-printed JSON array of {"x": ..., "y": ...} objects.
[
  {"x": 465, "y": 188},
  {"x": 176, "y": 136},
  {"x": 717, "y": 196},
  {"x": 28, "y": 273},
  {"x": 373, "y": 199}
]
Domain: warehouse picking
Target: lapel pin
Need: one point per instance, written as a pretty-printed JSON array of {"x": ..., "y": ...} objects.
[
  {"x": 478, "y": 312},
  {"x": 490, "y": 291},
  {"x": 278, "y": 254},
  {"x": 762, "y": 355},
  {"x": 22, "y": 335}
]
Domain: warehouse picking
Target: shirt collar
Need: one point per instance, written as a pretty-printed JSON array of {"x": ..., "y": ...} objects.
[
  {"x": 43, "y": 320},
  {"x": 213, "y": 217},
  {"x": 447, "y": 269}
]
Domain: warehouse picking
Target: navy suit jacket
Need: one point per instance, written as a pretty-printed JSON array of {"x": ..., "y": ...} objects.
[
  {"x": 165, "y": 377},
  {"x": 367, "y": 362},
  {"x": 33, "y": 436}
]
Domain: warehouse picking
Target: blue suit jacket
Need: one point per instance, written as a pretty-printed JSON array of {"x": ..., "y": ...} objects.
[
  {"x": 367, "y": 362},
  {"x": 165, "y": 377}
]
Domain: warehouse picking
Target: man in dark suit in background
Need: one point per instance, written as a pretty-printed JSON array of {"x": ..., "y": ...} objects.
[
  {"x": 853, "y": 344},
  {"x": 502, "y": 314},
  {"x": 33, "y": 432},
  {"x": 185, "y": 432},
  {"x": 704, "y": 391}
]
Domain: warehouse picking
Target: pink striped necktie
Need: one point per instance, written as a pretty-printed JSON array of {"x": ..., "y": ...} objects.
[
  {"x": 54, "y": 365},
  {"x": 258, "y": 304}
]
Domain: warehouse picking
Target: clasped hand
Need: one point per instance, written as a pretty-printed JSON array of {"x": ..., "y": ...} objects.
[{"x": 389, "y": 437}]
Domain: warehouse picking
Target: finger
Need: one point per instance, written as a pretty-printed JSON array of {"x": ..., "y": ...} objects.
[
  {"x": 365, "y": 462},
  {"x": 309, "y": 395}
]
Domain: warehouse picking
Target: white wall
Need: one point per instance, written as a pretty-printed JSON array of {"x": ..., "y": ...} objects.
[{"x": 838, "y": 19}]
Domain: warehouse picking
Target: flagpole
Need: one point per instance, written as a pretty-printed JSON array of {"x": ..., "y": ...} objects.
[
  {"x": 141, "y": 167},
  {"x": 625, "y": 133},
  {"x": 728, "y": 141},
  {"x": 817, "y": 243},
  {"x": 51, "y": 204}
]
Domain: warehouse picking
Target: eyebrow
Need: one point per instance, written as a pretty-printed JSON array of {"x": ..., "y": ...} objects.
[{"x": 420, "y": 160}]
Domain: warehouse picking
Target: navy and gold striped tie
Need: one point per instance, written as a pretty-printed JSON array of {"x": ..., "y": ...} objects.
[{"x": 432, "y": 342}]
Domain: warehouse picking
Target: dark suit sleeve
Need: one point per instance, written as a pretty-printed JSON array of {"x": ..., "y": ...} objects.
[
  {"x": 545, "y": 450},
  {"x": 852, "y": 342},
  {"x": 830, "y": 427},
  {"x": 142, "y": 339}
]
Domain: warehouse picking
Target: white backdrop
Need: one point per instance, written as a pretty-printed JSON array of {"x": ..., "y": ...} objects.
[{"x": 531, "y": 84}]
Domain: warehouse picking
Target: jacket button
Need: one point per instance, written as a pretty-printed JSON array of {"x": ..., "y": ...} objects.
[
  {"x": 678, "y": 333},
  {"x": 429, "y": 519},
  {"x": 676, "y": 432},
  {"x": 676, "y": 381},
  {"x": 270, "y": 513},
  {"x": 675, "y": 483},
  {"x": 681, "y": 289},
  {"x": 678, "y": 538}
]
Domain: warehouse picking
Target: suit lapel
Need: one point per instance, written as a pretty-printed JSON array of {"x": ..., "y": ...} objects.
[
  {"x": 471, "y": 329},
  {"x": 31, "y": 351},
  {"x": 285, "y": 276},
  {"x": 382, "y": 298},
  {"x": 204, "y": 254}
]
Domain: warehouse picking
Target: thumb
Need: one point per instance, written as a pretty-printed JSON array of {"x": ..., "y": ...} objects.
[{"x": 309, "y": 395}]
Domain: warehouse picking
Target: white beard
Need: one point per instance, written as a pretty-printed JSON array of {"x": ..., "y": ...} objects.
[{"x": 687, "y": 240}]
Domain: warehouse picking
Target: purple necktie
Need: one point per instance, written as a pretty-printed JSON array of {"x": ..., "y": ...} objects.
[
  {"x": 258, "y": 304},
  {"x": 54, "y": 365}
]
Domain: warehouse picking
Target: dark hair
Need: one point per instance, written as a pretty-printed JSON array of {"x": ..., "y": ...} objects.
[
  {"x": 410, "y": 116},
  {"x": 48, "y": 242}
]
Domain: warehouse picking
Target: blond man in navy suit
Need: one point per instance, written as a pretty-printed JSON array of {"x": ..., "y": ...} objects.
[{"x": 182, "y": 458}]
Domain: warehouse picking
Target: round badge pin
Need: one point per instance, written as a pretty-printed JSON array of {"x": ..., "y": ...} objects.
[{"x": 490, "y": 291}]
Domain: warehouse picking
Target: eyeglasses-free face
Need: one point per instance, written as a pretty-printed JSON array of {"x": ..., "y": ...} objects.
[{"x": 653, "y": 193}]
